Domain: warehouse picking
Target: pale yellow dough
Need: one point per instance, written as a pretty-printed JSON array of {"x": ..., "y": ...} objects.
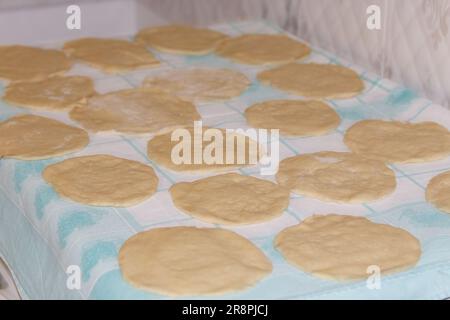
[
  {"x": 314, "y": 80},
  {"x": 29, "y": 137},
  {"x": 159, "y": 149},
  {"x": 22, "y": 63},
  {"x": 293, "y": 117},
  {"x": 231, "y": 199},
  {"x": 337, "y": 177},
  {"x": 188, "y": 261},
  {"x": 180, "y": 39},
  {"x": 102, "y": 180},
  {"x": 399, "y": 142},
  {"x": 200, "y": 84},
  {"x": 438, "y": 192},
  {"x": 262, "y": 49},
  {"x": 135, "y": 111},
  {"x": 111, "y": 55},
  {"x": 340, "y": 247},
  {"x": 53, "y": 94}
]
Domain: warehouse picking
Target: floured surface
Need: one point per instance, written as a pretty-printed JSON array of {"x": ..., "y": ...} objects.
[
  {"x": 200, "y": 84},
  {"x": 246, "y": 151},
  {"x": 399, "y": 142},
  {"x": 111, "y": 55},
  {"x": 29, "y": 137},
  {"x": 438, "y": 192},
  {"x": 293, "y": 117},
  {"x": 53, "y": 94},
  {"x": 180, "y": 39},
  {"x": 314, "y": 80},
  {"x": 343, "y": 247},
  {"x": 102, "y": 180},
  {"x": 22, "y": 63},
  {"x": 231, "y": 199},
  {"x": 135, "y": 111},
  {"x": 262, "y": 49},
  {"x": 183, "y": 261},
  {"x": 337, "y": 177}
]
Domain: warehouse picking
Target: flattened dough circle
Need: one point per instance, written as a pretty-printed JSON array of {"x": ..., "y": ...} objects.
[
  {"x": 337, "y": 177},
  {"x": 29, "y": 137},
  {"x": 53, "y": 94},
  {"x": 231, "y": 199},
  {"x": 200, "y": 84},
  {"x": 180, "y": 39},
  {"x": 293, "y": 117},
  {"x": 102, "y": 180},
  {"x": 340, "y": 247},
  {"x": 135, "y": 111},
  {"x": 438, "y": 191},
  {"x": 22, "y": 63},
  {"x": 159, "y": 149},
  {"x": 399, "y": 142},
  {"x": 262, "y": 49},
  {"x": 314, "y": 80},
  {"x": 110, "y": 55},
  {"x": 182, "y": 261}
]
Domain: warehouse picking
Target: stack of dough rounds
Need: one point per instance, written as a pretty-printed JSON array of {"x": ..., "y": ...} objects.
[
  {"x": 399, "y": 142},
  {"x": 262, "y": 49},
  {"x": 231, "y": 199},
  {"x": 135, "y": 111},
  {"x": 314, "y": 80},
  {"x": 110, "y": 55},
  {"x": 54, "y": 94},
  {"x": 200, "y": 84},
  {"x": 102, "y": 180},
  {"x": 22, "y": 63},
  {"x": 180, "y": 39},
  {"x": 337, "y": 177},
  {"x": 161, "y": 147},
  {"x": 340, "y": 247},
  {"x": 438, "y": 191},
  {"x": 29, "y": 137},
  {"x": 293, "y": 117},
  {"x": 184, "y": 261}
]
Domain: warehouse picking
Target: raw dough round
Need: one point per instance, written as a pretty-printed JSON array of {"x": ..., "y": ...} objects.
[
  {"x": 314, "y": 80},
  {"x": 399, "y": 142},
  {"x": 231, "y": 199},
  {"x": 160, "y": 148},
  {"x": 262, "y": 49},
  {"x": 185, "y": 261},
  {"x": 293, "y": 117},
  {"x": 19, "y": 63},
  {"x": 438, "y": 191},
  {"x": 341, "y": 247},
  {"x": 102, "y": 180},
  {"x": 200, "y": 84},
  {"x": 135, "y": 111},
  {"x": 29, "y": 137},
  {"x": 337, "y": 177},
  {"x": 180, "y": 39},
  {"x": 52, "y": 94},
  {"x": 111, "y": 55}
]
